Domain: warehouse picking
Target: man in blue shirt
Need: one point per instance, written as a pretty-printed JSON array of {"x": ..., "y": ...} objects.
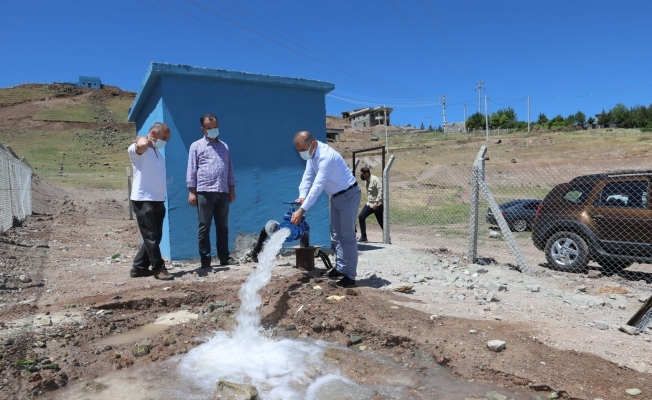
[{"x": 327, "y": 171}]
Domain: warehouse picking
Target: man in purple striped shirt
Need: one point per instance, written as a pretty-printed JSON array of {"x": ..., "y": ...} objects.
[{"x": 211, "y": 185}]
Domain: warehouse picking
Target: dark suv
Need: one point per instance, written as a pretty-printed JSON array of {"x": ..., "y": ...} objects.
[{"x": 604, "y": 217}]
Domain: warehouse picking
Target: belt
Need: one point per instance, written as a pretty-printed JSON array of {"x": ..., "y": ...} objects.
[{"x": 342, "y": 191}]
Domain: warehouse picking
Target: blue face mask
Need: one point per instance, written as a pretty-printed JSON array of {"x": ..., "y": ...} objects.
[
  {"x": 213, "y": 133},
  {"x": 159, "y": 144}
]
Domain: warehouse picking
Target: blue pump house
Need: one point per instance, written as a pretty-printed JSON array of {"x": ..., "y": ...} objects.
[
  {"x": 90, "y": 82},
  {"x": 258, "y": 116}
]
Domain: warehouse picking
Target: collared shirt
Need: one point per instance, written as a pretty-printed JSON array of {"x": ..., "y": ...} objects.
[
  {"x": 209, "y": 166},
  {"x": 326, "y": 171},
  {"x": 374, "y": 190},
  {"x": 149, "y": 175}
]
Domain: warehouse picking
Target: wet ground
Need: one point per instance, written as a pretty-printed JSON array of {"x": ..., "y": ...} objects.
[{"x": 70, "y": 316}]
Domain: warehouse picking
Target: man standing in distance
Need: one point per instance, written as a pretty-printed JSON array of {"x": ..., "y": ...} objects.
[
  {"x": 148, "y": 200},
  {"x": 374, "y": 202},
  {"x": 211, "y": 184},
  {"x": 326, "y": 170}
]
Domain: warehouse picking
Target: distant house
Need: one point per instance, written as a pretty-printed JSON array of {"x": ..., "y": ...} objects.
[
  {"x": 334, "y": 134},
  {"x": 90, "y": 82},
  {"x": 455, "y": 127},
  {"x": 367, "y": 117}
]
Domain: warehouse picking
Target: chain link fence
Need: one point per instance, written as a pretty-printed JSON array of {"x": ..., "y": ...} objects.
[{"x": 15, "y": 188}]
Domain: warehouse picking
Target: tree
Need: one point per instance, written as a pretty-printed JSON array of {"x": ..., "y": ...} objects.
[
  {"x": 603, "y": 118},
  {"x": 440, "y": 129},
  {"x": 475, "y": 121},
  {"x": 408, "y": 126},
  {"x": 542, "y": 119},
  {"x": 590, "y": 121},
  {"x": 580, "y": 118},
  {"x": 557, "y": 122},
  {"x": 422, "y": 127},
  {"x": 505, "y": 118},
  {"x": 619, "y": 113},
  {"x": 430, "y": 127},
  {"x": 570, "y": 120}
]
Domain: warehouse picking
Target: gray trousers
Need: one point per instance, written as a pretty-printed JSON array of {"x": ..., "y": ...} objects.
[{"x": 344, "y": 211}]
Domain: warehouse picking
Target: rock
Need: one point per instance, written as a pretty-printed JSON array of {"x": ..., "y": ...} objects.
[
  {"x": 24, "y": 279},
  {"x": 141, "y": 350},
  {"x": 473, "y": 331},
  {"x": 642, "y": 299},
  {"x": 319, "y": 292},
  {"x": 496, "y": 345},
  {"x": 434, "y": 317},
  {"x": 120, "y": 284},
  {"x": 236, "y": 391},
  {"x": 494, "y": 234},
  {"x": 93, "y": 386},
  {"x": 594, "y": 274},
  {"x": 601, "y": 325},
  {"x": 9, "y": 342},
  {"x": 553, "y": 395},
  {"x": 355, "y": 339},
  {"x": 167, "y": 288},
  {"x": 493, "y": 395},
  {"x": 581, "y": 289},
  {"x": 630, "y": 330},
  {"x": 595, "y": 303},
  {"x": 533, "y": 288},
  {"x": 633, "y": 392},
  {"x": 498, "y": 141},
  {"x": 492, "y": 297},
  {"x": 50, "y": 366},
  {"x": 495, "y": 287},
  {"x": 513, "y": 161}
]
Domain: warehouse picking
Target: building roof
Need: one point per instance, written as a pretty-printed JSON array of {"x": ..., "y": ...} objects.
[
  {"x": 156, "y": 70},
  {"x": 368, "y": 110},
  {"x": 88, "y": 78}
]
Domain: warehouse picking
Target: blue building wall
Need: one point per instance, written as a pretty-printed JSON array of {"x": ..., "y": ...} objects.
[
  {"x": 258, "y": 120},
  {"x": 89, "y": 82}
]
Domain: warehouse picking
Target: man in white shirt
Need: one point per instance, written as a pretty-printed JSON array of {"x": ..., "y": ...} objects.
[
  {"x": 148, "y": 200},
  {"x": 327, "y": 171}
]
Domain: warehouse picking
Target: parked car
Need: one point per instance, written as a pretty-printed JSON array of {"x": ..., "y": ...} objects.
[
  {"x": 519, "y": 214},
  {"x": 603, "y": 217}
]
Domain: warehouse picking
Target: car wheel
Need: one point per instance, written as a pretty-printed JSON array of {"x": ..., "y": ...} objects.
[
  {"x": 567, "y": 251},
  {"x": 615, "y": 264},
  {"x": 520, "y": 225}
]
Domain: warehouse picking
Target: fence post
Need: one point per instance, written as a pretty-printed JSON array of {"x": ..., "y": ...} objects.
[
  {"x": 386, "y": 236},
  {"x": 475, "y": 203},
  {"x": 504, "y": 227},
  {"x": 131, "y": 211}
]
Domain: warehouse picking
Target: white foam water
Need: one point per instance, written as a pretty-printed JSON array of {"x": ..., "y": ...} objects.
[{"x": 280, "y": 369}]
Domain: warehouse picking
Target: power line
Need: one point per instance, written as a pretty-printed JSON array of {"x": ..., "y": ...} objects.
[
  {"x": 424, "y": 41},
  {"x": 449, "y": 42}
]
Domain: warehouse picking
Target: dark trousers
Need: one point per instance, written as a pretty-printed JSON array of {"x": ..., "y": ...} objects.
[
  {"x": 367, "y": 211},
  {"x": 150, "y": 216},
  {"x": 213, "y": 206}
]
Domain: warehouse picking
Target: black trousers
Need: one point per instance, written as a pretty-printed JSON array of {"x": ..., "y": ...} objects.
[
  {"x": 213, "y": 206},
  {"x": 367, "y": 211},
  {"x": 150, "y": 216}
]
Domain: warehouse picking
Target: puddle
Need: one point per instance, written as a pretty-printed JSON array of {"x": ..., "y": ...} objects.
[
  {"x": 150, "y": 330},
  {"x": 280, "y": 369}
]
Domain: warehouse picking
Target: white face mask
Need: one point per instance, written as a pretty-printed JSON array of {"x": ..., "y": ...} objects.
[
  {"x": 306, "y": 154},
  {"x": 159, "y": 144},
  {"x": 213, "y": 133}
]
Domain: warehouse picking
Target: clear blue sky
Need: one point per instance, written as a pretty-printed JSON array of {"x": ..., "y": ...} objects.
[{"x": 566, "y": 55}]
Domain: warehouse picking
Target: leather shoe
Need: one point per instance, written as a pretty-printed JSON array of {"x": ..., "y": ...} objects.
[
  {"x": 363, "y": 239},
  {"x": 345, "y": 282},
  {"x": 333, "y": 274},
  {"x": 162, "y": 274},
  {"x": 230, "y": 261},
  {"x": 140, "y": 272}
]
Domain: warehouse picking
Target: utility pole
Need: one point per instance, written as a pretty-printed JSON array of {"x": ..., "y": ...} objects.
[
  {"x": 479, "y": 87},
  {"x": 386, "y": 141},
  {"x": 528, "y": 114},
  {"x": 486, "y": 116},
  {"x": 443, "y": 104},
  {"x": 464, "y": 117}
]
